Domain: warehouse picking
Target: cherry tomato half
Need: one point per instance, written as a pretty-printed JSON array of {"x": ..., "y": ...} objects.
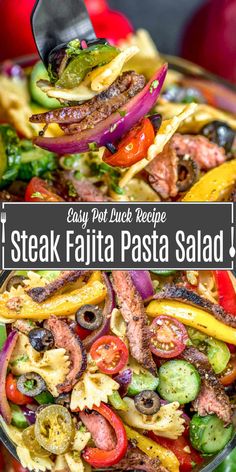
[
  {"x": 82, "y": 332},
  {"x": 110, "y": 354},
  {"x": 228, "y": 376},
  {"x": 133, "y": 147},
  {"x": 168, "y": 337},
  {"x": 39, "y": 191},
  {"x": 13, "y": 394}
]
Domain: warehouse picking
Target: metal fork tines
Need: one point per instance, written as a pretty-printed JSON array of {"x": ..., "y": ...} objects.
[
  {"x": 3, "y": 218},
  {"x": 58, "y": 22}
]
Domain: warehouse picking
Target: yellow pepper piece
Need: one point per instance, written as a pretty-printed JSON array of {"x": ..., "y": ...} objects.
[
  {"x": 153, "y": 450},
  {"x": 60, "y": 305},
  {"x": 215, "y": 185},
  {"x": 195, "y": 317}
]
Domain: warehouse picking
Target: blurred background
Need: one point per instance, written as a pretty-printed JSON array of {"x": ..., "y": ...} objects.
[{"x": 203, "y": 31}]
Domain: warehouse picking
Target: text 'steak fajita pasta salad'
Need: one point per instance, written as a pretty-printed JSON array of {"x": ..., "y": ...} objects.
[
  {"x": 110, "y": 123},
  {"x": 129, "y": 370}
]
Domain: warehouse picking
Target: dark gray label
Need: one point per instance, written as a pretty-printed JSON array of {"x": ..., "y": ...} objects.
[{"x": 124, "y": 235}]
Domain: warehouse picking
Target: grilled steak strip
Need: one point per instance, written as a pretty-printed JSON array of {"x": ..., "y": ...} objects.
[
  {"x": 212, "y": 397},
  {"x": 74, "y": 190},
  {"x": 172, "y": 292},
  {"x": 101, "y": 431},
  {"x": 162, "y": 172},
  {"x": 129, "y": 82},
  {"x": 137, "y": 460},
  {"x": 40, "y": 294},
  {"x": 133, "y": 312},
  {"x": 107, "y": 106},
  {"x": 65, "y": 338}
]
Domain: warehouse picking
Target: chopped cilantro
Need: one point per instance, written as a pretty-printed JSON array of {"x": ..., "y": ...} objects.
[
  {"x": 117, "y": 189},
  {"x": 122, "y": 112},
  {"x": 38, "y": 195},
  {"x": 71, "y": 190},
  {"x": 29, "y": 384},
  {"x": 93, "y": 147},
  {"x": 23, "y": 358},
  {"x": 73, "y": 48},
  {"x": 154, "y": 85},
  {"x": 77, "y": 175}
]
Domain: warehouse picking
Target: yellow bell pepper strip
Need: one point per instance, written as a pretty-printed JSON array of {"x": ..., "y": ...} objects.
[
  {"x": 153, "y": 450},
  {"x": 195, "y": 317},
  {"x": 59, "y": 305},
  {"x": 215, "y": 185}
]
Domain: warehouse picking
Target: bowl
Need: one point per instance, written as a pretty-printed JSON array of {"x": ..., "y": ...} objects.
[{"x": 209, "y": 464}]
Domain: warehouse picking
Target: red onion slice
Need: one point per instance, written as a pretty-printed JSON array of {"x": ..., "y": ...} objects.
[
  {"x": 124, "y": 379},
  {"x": 109, "y": 306},
  {"x": 143, "y": 283},
  {"x": 30, "y": 415},
  {"x": 111, "y": 129},
  {"x": 5, "y": 357}
]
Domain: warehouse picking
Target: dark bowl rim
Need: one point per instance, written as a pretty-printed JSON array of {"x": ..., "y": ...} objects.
[{"x": 208, "y": 467}]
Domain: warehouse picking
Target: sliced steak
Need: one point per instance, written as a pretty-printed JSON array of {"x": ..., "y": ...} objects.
[
  {"x": 212, "y": 397},
  {"x": 102, "y": 433},
  {"x": 65, "y": 338},
  {"x": 163, "y": 172},
  {"x": 193, "y": 153},
  {"x": 202, "y": 151},
  {"x": 74, "y": 190},
  {"x": 173, "y": 292},
  {"x": 105, "y": 107},
  {"x": 124, "y": 88},
  {"x": 137, "y": 460},
  {"x": 133, "y": 312},
  {"x": 40, "y": 294}
]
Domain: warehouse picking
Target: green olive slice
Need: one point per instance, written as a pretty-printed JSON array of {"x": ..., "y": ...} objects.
[
  {"x": 30, "y": 441},
  {"x": 54, "y": 429}
]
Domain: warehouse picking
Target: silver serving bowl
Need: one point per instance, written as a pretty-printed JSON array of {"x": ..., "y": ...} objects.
[{"x": 209, "y": 464}]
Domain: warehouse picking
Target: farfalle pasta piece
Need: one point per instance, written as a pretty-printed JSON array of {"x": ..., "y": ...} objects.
[
  {"x": 91, "y": 390},
  {"x": 102, "y": 77},
  {"x": 118, "y": 324},
  {"x": 167, "y": 422},
  {"x": 74, "y": 461},
  {"x": 26, "y": 359},
  {"x": 81, "y": 439},
  {"x": 32, "y": 462},
  {"x": 203, "y": 114},
  {"x": 60, "y": 464}
]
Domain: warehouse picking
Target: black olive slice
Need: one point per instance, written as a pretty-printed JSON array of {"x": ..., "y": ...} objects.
[
  {"x": 41, "y": 339},
  {"x": 89, "y": 317},
  {"x": 147, "y": 402},
  {"x": 64, "y": 400},
  {"x": 31, "y": 384},
  {"x": 15, "y": 281},
  {"x": 219, "y": 133},
  {"x": 188, "y": 173}
]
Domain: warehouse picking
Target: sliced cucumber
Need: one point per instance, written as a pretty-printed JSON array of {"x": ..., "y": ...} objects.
[
  {"x": 208, "y": 434},
  {"x": 18, "y": 418},
  {"x": 179, "y": 381},
  {"x": 39, "y": 72},
  {"x": 140, "y": 382}
]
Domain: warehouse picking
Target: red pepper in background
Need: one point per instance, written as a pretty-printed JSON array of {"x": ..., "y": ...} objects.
[
  {"x": 183, "y": 450},
  {"x": 226, "y": 291},
  {"x": 99, "y": 458},
  {"x": 16, "y": 35}
]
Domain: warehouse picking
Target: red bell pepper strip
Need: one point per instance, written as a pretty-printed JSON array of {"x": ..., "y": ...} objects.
[
  {"x": 100, "y": 458},
  {"x": 183, "y": 450},
  {"x": 226, "y": 291}
]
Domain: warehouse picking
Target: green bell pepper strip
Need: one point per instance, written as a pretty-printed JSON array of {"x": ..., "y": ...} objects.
[
  {"x": 3, "y": 335},
  {"x": 117, "y": 402},
  {"x": 142, "y": 381},
  {"x": 44, "y": 398},
  {"x": 165, "y": 273},
  {"x": 86, "y": 60}
]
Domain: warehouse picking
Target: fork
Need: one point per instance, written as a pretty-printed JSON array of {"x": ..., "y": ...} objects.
[
  {"x": 58, "y": 22},
  {"x": 3, "y": 218}
]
